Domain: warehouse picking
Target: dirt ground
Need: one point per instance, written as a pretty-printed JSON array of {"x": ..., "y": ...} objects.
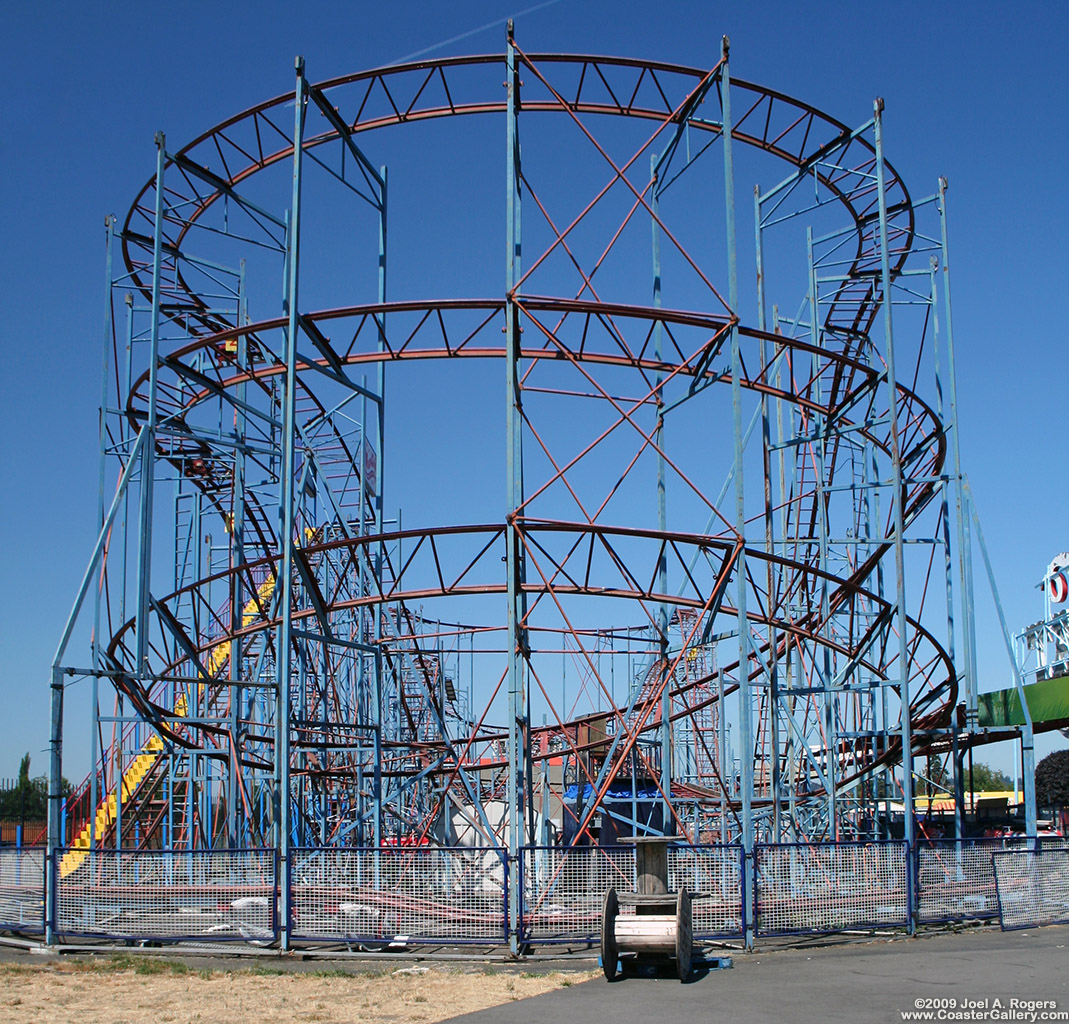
[{"x": 124, "y": 990}]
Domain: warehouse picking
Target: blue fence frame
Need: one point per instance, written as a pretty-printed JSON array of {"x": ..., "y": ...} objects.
[
  {"x": 22, "y": 885},
  {"x": 699, "y": 896},
  {"x": 580, "y": 904},
  {"x": 955, "y": 879},
  {"x": 411, "y": 904},
  {"x": 807, "y": 897},
  {"x": 576, "y": 910},
  {"x": 460, "y": 895},
  {"x": 219, "y": 921},
  {"x": 1037, "y": 856}
]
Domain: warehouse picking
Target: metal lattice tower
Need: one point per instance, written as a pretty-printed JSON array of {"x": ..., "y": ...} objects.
[{"x": 710, "y": 600}]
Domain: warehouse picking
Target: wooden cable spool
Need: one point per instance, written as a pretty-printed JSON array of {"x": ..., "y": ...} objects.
[
  {"x": 650, "y": 932},
  {"x": 610, "y": 952}
]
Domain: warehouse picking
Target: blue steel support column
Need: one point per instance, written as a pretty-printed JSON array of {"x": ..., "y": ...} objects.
[
  {"x": 237, "y": 559},
  {"x": 380, "y": 439},
  {"x": 102, "y": 432},
  {"x": 94, "y": 755},
  {"x": 831, "y": 735},
  {"x": 789, "y": 668},
  {"x": 148, "y": 450},
  {"x": 766, "y": 450},
  {"x": 132, "y": 463},
  {"x": 55, "y": 800},
  {"x": 968, "y": 634},
  {"x": 55, "y": 765},
  {"x": 948, "y": 562},
  {"x": 662, "y": 516},
  {"x": 872, "y": 480},
  {"x": 745, "y": 720},
  {"x": 286, "y": 514},
  {"x": 517, "y": 641},
  {"x": 878, "y": 694},
  {"x": 896, "y": 483}
]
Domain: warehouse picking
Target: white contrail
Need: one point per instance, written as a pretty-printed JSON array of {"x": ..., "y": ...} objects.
[{"x": 471, "y": 32}]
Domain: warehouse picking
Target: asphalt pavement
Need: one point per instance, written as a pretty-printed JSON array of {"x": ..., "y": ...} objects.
[
  {"x": 973, "y": 974},
  {"x": 876, "y": 982}
]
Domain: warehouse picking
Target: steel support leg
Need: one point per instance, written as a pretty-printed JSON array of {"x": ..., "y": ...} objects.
[
  {"x": 968, "y": 633},
  {"x": 896, "y": 483},
  {"x": 745, "y": 716},
  {"x": 662, "y": 519},
  {"x": 517, "y": 641},
  {"x": 148, "y": 450},
  {"x": 286, "y": 523}
]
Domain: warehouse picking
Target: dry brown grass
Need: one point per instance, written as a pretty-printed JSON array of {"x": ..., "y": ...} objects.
[{"x": 133, "y": 990}]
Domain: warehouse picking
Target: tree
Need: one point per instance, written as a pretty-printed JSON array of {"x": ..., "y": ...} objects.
[
  {"x": 936, "y": 777},
  {"x": 24, "y": 771},
  {"x": 1052, "y": 780},
  {"x": 27, "y": 800},
  {"x": 985, "y": 778}
]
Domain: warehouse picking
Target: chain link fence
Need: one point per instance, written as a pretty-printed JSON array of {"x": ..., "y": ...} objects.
[
  {"x": 713, "y": 876},
  {"x": 830, "y": 887},
  {"x": 432, "y": 895},
  {"x": 564, "y": 888},
  {"x": 22, "y": 890},
  {"x": 400, "y": 895},
  {"x": 956, "y": 879},
  {"x": 172, "y": 895},
  {"x": 1033, "y": 887}
]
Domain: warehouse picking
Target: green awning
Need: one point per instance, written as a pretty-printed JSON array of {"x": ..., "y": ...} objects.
[{"x": 1048, "y": 701}]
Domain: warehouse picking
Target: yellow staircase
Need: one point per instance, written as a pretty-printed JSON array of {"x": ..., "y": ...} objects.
[
  {"x": 221, "y": 651},
  {"x": 109, "y": 807},
  {"x": 150, "y": 753}
]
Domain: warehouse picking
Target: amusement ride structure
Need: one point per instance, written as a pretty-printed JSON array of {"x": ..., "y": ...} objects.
[{"x": 600, "y": 544}]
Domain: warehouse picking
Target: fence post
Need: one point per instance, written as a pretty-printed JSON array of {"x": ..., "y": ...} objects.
[
  {"x": 282, "y": 928},
  {"x": 51, "y": 866},
  {"x": 749, "y": 895},
  {"x": 912, "y": 882},
  {"x": 503, "y": 854}
]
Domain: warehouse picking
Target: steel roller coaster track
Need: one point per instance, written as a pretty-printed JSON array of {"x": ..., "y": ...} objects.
[{"x": 779, "y": 613}]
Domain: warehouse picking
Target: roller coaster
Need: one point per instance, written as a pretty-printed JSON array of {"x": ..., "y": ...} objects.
[{"x": 595, "y": 546}]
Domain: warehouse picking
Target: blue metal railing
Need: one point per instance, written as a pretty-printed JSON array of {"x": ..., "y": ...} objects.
[
  {"x": 22, "y": 889},
  {"x": 804, "y": 888},
  {"x": 399, "y": 895},
  {"x": 391, "y": 895},
  {"x": 169, "y": 896}
]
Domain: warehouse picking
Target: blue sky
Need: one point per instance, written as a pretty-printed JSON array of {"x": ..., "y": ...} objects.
[{"x": 977, "y": 98}]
